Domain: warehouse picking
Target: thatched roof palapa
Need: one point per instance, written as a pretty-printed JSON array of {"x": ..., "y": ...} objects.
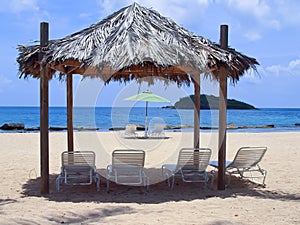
[{"x": 135, "y": 43}]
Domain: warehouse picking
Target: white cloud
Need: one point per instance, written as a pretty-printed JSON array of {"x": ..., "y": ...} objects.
[
  {"x": 253, "y": 36},
  {"x": 288, "y": 11},
  {"x": 256, "y": 7},
  {"x": 292, "y": 68},
  {"x": 17, "y": 6},
  {"x": 265, "y": 13},
  {"x": 252, "y": 76},
  {"x": 273, "y": 14},
  {"x": 180, "y": 11},
  {"x": 85, "y": 15},
  {"x": 108, "y": 6},
  {"x": 294, "y": 64},
  {"x": 4, "y": 82}
]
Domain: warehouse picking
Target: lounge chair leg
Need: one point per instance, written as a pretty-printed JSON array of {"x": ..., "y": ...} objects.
[
  {"x": 168, "y": 182},
  {"x": 98, "y": 181},
  {"x": 166, "y": 178},
  {"x": 229, "y": 180},
  {"x": 107, "y": 185},
  {"x": 57, "y": 184},
  {"x": 264, "y": 179},
  {"x": 162, "y": 173},
  {"x": 212, "y": 180},
  {"x": 211, "y": 183},
  {"x": 173, "y": 181},
  {"x": 147, "y": 184}
]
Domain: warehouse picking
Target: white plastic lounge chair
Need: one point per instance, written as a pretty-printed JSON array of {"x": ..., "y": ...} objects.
[
  {"x": 78, "y": 168},
  {"x": 130, "y": 130},
  {"x": 246, "y": 164},
  {"x": 158, "y": 130},
  {"x": 191, "y": 167},
  {"x": 127, "y": 168}
]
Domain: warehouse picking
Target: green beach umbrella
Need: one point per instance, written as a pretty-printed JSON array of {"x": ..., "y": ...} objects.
[{"x": 147, "y": 96}]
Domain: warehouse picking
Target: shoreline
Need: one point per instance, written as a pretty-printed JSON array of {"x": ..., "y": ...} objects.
[
  {"x": 245, "y": 129},
  {"x": 105, "y": 118}
]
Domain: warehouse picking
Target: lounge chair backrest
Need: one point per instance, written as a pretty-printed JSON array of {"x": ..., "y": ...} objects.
[
  {"x": 128, "y": 157},
  {"x": 194, "y": 158},
  {"x": 78, "y": 158},
  {"x": 247, "y": 157}
]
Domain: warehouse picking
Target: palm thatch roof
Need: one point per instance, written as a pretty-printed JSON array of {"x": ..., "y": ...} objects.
[{"x": 135, "y": 43}]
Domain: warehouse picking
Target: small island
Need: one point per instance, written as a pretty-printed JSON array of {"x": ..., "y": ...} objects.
[{"x": 209, "y": 102}]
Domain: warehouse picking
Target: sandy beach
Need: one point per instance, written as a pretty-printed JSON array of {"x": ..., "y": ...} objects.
[{"x": 241, "y": 203}]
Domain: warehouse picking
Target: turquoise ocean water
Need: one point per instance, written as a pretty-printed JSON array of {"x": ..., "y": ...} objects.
[{"x": 107, "y": 117}]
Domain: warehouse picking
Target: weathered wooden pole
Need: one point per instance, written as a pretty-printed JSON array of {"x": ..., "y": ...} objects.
[
  {"x": 222, "y": 114},
  {"x": 70, "y": 112},
  {"x": 196, "y": 81},
  {"x": 44, "y": 111}
]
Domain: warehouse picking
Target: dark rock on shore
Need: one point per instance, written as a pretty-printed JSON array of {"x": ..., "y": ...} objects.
[
  {"x": 168, "y": 127},
  {"x": 86, "y": 128},
  {"x": 232, "y": 126},
  {"x": 267, "y": 126},
  {"x": 75, "y": 128},
  {"x": 117, "y": 128},
  {"x": 141, "y": 127},
  {"x": 32, "y": 128},
  {"x": 138, "y": 127},
  {"x": 209, "y": 128},
  {"x": 13, "y": 126},
  {"x": 57, "y": 128}
]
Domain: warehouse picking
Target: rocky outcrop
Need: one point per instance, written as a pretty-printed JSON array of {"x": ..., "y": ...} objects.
[
  {"x": 75, "y": 128},
  {"x": 232, "y": 126},
  {"x": 32, "y": 128},
  {"x": 168, "y": 127},
  {"x": 13, "y": 126},
  {"x": 86, "y": 128}
]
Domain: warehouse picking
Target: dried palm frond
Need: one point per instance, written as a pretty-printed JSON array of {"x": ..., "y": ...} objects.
[{"x": 134, "y": 43}]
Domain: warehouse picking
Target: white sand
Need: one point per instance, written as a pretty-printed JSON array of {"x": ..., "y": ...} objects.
[{"x": 241, "y": 203}]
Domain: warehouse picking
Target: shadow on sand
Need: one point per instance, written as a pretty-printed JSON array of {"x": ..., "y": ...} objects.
[{"x": 158, "y": 192}]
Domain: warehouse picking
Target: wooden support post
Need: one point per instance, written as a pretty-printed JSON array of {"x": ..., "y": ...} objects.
[
  {"x": 196, "y": 81},
  {"x": 44, "y": 112},
  {"x": 222, "y": 115},
  {"x": 70, "y": 112}
]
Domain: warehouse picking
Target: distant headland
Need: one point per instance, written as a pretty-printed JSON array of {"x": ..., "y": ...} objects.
[{"x": 209, "y": 102}]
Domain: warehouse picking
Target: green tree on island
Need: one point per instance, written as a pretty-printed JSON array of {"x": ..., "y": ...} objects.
[{"x": 210, "y": 102}]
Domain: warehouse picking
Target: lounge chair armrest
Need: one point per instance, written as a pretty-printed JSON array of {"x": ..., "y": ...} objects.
[
  {"x": 170, "y": 167},
  {"x": 109, "y": 168}
]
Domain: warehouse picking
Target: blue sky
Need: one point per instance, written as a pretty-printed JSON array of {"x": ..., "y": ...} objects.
[{"x": 268, "y": 30}]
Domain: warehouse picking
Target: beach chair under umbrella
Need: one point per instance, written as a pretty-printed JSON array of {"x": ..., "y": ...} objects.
[{"x": 147, "y": 96}]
